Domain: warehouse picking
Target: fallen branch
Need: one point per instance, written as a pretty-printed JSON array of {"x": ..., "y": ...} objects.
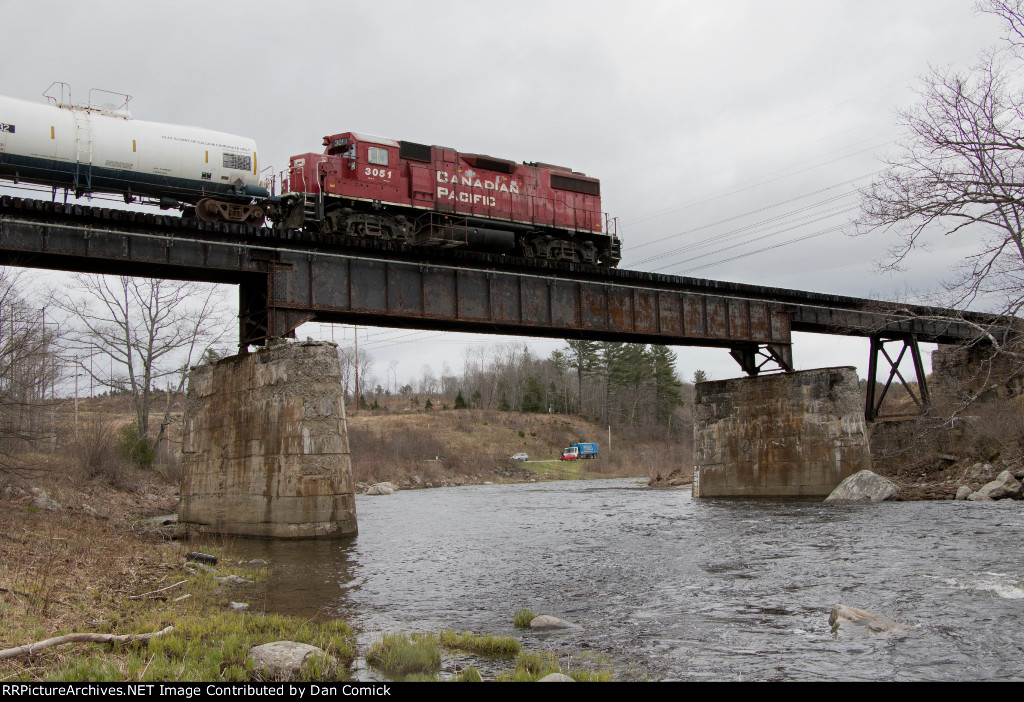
[
  {"x": 139, "y": 597},
  {"x": 15, "y": 593},
  {"x": 72, "y": 638}
]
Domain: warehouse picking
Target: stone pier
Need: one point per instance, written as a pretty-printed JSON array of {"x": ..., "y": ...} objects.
[
  {"x": 786, "y": 435},
  {"x": 266, "y": 446}
]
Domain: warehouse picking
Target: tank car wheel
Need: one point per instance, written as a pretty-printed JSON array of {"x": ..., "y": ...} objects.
[{"x": 256, "y": 217}]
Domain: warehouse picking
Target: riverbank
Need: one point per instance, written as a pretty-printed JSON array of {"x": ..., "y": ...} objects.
[
  {"x": 87, "y": 560},
  {"x": 98, "y": 560}
]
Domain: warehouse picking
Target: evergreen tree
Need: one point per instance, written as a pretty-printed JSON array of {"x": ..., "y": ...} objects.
[
  {"x": 585, "y": 358},
  {"x": 460, "y": 403},
  {"x": 533, "y": 397},
  {"x": 560, "y": 365},
  {"x": 628, "y": 368},
  {"x": 666, "y": 385}
]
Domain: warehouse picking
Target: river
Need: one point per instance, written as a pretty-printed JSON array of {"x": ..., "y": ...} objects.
[{"x": 667, "y": 587}]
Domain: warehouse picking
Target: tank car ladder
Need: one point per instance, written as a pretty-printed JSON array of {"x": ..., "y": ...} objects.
[{"x": 83, "y": 148}]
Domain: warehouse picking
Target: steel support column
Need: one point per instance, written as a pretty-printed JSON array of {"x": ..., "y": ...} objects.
[
  {"x": 753, "y": 358},
  {"x": 873, "y": 407}
]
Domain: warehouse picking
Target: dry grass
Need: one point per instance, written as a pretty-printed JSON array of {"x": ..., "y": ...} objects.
[
  {"x": 442, "y": 447},
  {"x": 68, "y": 571}
]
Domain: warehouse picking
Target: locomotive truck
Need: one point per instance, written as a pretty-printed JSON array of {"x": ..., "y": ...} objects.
[{"x": 360, "y": 186}]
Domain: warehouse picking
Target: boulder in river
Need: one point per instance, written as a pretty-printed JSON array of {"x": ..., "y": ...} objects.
[
  {"x": 864, "y": 486},
  {"x": 963, "y": 492},
  {"x": 850, "y": 622},
  {"x": 546, "y": 621},
  {"x": 382, "y": 489}
]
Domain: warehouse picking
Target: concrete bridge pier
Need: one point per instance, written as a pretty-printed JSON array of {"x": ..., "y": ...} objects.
[
  {"x": 783, "y": 435},
  {"x": 265, "y": 450}
]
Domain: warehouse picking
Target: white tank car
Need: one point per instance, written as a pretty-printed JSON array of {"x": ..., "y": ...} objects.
[{"x": 95, "y": 150}]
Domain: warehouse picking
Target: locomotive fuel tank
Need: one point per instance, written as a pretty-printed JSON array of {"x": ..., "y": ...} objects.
[{"x": 101, "y": 150}]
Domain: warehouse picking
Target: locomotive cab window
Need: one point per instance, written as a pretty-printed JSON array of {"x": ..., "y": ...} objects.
[{"x": 378, "y": 156}]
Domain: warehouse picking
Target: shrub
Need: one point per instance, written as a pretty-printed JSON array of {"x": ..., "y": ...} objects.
[
  {"x": 97, "y": 452},
  {"x": 134, "y": 446}
]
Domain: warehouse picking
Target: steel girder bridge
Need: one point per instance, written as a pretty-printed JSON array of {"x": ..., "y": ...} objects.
[{"x": 285, "y": 280}]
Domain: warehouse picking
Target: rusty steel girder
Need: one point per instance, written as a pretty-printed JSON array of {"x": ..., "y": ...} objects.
[{"x": 349, "y": 289}]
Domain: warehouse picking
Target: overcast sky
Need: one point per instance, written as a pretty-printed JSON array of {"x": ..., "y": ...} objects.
[{"x": 730, "y": 138}]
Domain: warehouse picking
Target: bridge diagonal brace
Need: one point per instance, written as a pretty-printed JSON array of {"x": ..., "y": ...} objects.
[
  {"x": 873, "y": 399},
  {"x": 754, "y": 358}
]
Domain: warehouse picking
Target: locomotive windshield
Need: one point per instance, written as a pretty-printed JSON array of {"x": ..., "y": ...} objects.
[{"x": 337, "y": 145}]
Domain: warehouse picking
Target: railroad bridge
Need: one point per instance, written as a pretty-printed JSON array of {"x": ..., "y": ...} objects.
[{"x": 284, "y": 281}]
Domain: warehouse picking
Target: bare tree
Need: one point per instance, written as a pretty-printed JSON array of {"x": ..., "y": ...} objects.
[
  {"x": 959, "y": 171},
  {"x": 1011, "y": 12},
  {"x": 30, "y": 367},
  {"x": 351, "y": 362},
  {"x": 149, "y": 330}
]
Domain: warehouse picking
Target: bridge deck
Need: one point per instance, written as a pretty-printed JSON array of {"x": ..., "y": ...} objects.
[{"x": 285, "y": 281}]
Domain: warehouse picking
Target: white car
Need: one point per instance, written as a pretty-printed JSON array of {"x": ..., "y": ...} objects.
[{"x": 520, "y": 457}]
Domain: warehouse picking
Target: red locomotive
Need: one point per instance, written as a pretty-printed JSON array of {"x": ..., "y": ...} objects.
[{"x": 365, "y": 186}]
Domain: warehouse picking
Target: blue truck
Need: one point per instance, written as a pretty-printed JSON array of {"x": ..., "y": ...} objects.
[{"x": 580, "y": 450}]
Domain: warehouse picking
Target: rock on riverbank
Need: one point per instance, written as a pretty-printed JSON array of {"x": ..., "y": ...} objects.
[{"x": 864, "y": 486}]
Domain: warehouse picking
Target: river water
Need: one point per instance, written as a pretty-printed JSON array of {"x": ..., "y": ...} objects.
[{"x": 667, "y": 587}]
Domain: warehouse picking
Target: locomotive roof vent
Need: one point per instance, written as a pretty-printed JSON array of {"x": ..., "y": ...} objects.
[
  {"x": 414, "y": 152},
  {"x": 548, "y": 166},
  {"x": 489, "y": 163},
  {"x": 576, "y": 185}
]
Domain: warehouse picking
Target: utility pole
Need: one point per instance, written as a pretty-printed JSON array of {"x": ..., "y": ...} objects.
[{"x": 356, "y": 333}]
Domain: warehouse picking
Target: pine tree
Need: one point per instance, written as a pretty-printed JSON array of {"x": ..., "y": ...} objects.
[
  {"x": 666, "y": 385},
  {"x": 585, "y": 358},
  {"x": 460, "y": 403},
  {"x": 533, "y": 397}
]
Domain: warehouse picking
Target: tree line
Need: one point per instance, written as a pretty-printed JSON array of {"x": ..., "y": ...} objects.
[{"x": 615, "y": 384}]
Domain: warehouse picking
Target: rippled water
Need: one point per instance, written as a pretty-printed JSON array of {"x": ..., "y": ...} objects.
[{"x": 669, "y": 587}]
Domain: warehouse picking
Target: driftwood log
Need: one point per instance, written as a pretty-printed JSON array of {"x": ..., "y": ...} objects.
[{"x": 29, "y": 649}]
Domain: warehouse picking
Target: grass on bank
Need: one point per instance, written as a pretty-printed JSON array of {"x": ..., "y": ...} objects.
[
  {"x": 417, "y": 658},
  {"x": 483, "y": 644},
  {"x": 531, "y": 666},
  {"x": 66, "y": 573},
  {"x": 401, "y": 655},
  {"x": 565, "y": 470}
]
